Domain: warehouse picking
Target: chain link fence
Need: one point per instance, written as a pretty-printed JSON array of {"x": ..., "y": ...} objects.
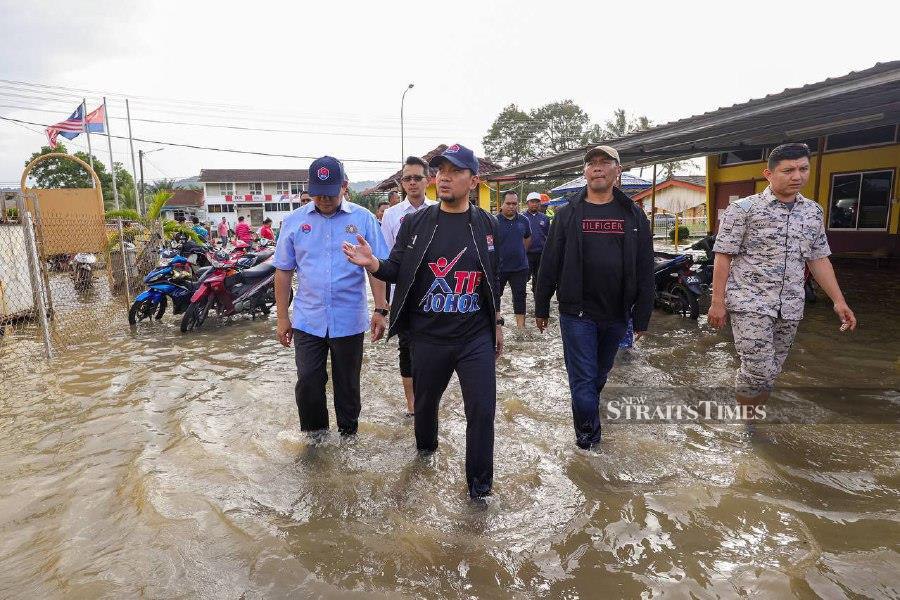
[{"x": 67, "y": 278}]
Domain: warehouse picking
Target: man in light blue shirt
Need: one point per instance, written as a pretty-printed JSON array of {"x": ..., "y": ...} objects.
[{"x": 331, "y": 307}]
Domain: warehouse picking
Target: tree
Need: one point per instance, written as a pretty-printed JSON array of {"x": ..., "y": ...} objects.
[
  {"x": 160, "y": 185},
  {"x": 56, "y": 173},
  {"x": 510, "y": 140},
  {"x": 621, "y": 125},
  {"x": 560, "y": 126}
]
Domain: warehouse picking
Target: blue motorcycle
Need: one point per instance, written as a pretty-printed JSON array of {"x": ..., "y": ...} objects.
[{"x": 174, "y": 279}]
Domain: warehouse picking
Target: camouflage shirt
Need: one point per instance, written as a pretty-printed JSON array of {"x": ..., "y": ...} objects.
[{"x": 770, "y": 244}]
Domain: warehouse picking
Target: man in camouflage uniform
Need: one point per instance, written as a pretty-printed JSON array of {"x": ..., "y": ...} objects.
[{"x": 764, "y": 243}]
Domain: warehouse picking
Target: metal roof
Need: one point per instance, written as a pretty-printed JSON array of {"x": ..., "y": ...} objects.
[
  {"x": 858, "y": 100},
  {"x": 629, "y": 181},
  {"x": 253, "y": 175}
]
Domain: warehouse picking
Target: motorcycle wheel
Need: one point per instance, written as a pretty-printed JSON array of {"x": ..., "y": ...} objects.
[
  {"x": 196, "y": 314},
  {"x": 687, "y": 303},
  {"x": 142, "y": 309},
  {"x": 162, "y": 308}
]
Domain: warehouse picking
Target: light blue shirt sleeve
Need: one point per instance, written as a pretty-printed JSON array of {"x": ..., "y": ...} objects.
[
  {"x": 285, "y": 256},
  {"x": 375, "y": 238}
]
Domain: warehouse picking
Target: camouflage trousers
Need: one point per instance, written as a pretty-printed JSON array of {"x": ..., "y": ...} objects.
[{"x": 762, "y": 343}]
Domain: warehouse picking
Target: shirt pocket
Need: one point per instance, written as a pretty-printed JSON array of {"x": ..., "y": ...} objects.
[
  {"x": 764, "y": 239},
  {"x": 809, "y": 236}
]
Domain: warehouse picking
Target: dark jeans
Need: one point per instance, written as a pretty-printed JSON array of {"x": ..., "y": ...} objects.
[
  {"x": 311, "y": 355},
  {"x": 518, "y": 281},
  {"x": 404, "y": 354},
  {"x": 589, "y": 349},
  {"x": 534, "y": 263},
  {"x": 474, "y": 363}
]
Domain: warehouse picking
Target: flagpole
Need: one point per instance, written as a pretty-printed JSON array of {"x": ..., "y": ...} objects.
[
  {"x": 133, "y": 168},
  {"x": 87, "y": 132},
  {"x": 112, "y": 162}
]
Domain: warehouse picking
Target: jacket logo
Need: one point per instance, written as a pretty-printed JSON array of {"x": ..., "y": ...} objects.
[{"x": 490, "y": 242}]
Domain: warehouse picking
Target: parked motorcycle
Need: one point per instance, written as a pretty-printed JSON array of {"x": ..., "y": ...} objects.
[
  {"x": 175, "y": 278},
  {"x": 82, "y": 266},
  {"x": 678, "y": 288},
  {"x": 233, "y": 286}
]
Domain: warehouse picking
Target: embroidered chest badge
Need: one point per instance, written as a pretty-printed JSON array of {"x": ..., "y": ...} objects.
[
  {"x": 351, "y": 229},
  {"x": 306, "y": 228}
]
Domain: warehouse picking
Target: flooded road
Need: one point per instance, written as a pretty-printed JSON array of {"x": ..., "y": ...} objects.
[{"x": 155, "y": 464}]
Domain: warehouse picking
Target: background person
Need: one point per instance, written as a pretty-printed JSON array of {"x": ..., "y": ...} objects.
[
  {"x": 763, "y": 244},
  {"x": 513, "y": 240},
  {"x": 598, "y": 259},
  {"x": 414, "y": 179}
]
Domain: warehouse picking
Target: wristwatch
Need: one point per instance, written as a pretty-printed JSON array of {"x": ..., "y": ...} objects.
[
  {"x": 382, "y": 311},
  {"x": 500, "y": 321}
]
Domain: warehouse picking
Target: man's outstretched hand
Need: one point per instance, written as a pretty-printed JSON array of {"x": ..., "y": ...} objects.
[{"x": 359, "y": 254}]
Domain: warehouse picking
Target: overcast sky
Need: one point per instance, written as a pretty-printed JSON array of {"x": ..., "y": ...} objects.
[{"x": 330, "y": 74}]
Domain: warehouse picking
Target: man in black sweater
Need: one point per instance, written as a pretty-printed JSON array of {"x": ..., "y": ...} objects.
[
  {"x": 445, "y": 266},
  {"x": 598, "y": 258}
]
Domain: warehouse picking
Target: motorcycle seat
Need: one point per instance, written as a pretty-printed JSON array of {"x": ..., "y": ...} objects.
[
  {"x": 257, "y": 272},
  {"x": 262, "y": 256}
]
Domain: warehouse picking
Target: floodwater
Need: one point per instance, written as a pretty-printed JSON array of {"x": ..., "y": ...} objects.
[{"x": 154, "y": 464}]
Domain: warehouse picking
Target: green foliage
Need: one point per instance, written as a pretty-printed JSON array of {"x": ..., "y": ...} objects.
[
  {"x": 157, "y": 202},
  {"x": 683, "y": 233},
  {"x": 511, "y": 139},
  {"x": 12, "y": 213},
  {"x": 68, "y": 174},
  {"x": 127, "y": 214},
  {"x": 170, "y": 228}
]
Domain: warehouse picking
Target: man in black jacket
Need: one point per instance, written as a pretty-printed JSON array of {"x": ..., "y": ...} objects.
[
  {"x": 446, "y": 271},
  {"x": 598, "y": 258}
]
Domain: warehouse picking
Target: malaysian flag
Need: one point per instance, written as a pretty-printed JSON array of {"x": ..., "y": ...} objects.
[{"x": 74, "y": 125}]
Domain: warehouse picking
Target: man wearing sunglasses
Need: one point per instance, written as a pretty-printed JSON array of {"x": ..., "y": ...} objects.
[{"x": 414, "y": 179}]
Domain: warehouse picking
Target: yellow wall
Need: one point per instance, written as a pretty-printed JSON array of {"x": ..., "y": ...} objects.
[
  {"x": 484, "y": 195},
  {"x": 866, "y": 159}
]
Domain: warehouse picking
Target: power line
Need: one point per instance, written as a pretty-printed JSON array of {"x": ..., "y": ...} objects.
[
  {"x": 235, "y": 127},
  {"x": 196, "y": 147},
  {"x": 78, "y": 93}
]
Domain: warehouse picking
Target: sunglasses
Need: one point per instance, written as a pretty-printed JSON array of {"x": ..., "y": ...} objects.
[{"x": 416, "y": 178}]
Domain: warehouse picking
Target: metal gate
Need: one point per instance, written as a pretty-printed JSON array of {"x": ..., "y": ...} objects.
[{"x": 66, "y": 275}]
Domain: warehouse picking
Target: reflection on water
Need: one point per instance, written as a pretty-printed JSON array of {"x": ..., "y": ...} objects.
[{"x": 152, "y": 463}]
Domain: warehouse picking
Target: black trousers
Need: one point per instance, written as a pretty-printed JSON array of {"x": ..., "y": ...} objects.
[
  {"x": 534, "y": 263},
  {"x": 311, "y": 355},
  {"x": 518, "y": 281},
  {"x": 474, "y": 363},
  {"x": 404, "y": 353}
]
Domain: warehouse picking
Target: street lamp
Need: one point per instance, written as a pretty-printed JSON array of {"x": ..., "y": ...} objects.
[{"x": 402, "y": 98}]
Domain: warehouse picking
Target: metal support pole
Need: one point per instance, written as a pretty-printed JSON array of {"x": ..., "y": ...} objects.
[
  {"x": 37, "y": 289},
  {"x": 677, "y": 224},
  {"x": 88, "y": 134},
  {"x": 112, "y": 162},
  {"x": 125, "y": 272},
  {"x": 141, "y": 163},
  {"x": 139, "y": 207},
  {"x": 653, "y": 205}
]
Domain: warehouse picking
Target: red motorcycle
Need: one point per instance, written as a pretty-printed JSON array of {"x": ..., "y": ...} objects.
[{"x": 237, "y": 283}]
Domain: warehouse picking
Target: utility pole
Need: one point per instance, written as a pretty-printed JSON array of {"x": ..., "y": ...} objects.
[{"x": 141, "y": 162}]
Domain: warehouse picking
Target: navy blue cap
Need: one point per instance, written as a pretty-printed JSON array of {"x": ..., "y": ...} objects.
[
  {"x": 326, "y": 177},
  {"x": 460, "y": 156}
]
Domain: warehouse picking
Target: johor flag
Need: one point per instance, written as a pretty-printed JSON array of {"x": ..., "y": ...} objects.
[{"x": 71, "y": 127}]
